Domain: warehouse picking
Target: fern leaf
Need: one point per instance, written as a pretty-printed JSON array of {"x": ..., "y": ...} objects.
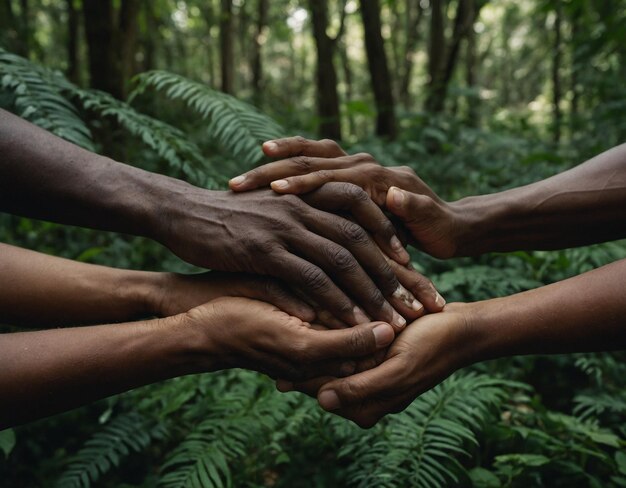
[{"x": 237, "y": 126}]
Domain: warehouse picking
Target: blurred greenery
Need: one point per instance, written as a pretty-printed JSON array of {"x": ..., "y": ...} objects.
[{"x": 527, "y": 421}]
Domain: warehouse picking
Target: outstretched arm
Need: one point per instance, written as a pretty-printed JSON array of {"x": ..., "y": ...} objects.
[
  {"x": 581, "y": 206},
  {"x": 40, "y": 290},
  {"x": 582, "y": 314},
  {"x": 332, "y": 259},
  {"x": 45, "y": 372}
]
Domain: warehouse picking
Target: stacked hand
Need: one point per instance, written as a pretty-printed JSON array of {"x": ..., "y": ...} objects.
[{"x": 305, "y": 165}]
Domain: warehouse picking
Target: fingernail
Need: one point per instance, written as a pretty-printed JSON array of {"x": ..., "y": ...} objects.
[
  {"x": 284, "y": 386},
  {"x": 383, "y": 334},
  {"x": 347, "y": 368},
  {"x": 270, "y": 146},
  {"x": 238, "y": 180},
  {"x": 398, "y": 320},
  {"x": 280, "y": 184},
  {"x": 359, "y": 316},
  {"x": 396, "y": 245},
  {"x": 329, "y": 400},
  {"x": 417, "y": 306},
  {"x": 398, "y": 196},
  {"x": 439, "y": 300}
]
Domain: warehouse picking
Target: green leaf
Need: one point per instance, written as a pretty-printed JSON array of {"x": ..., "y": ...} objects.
[
  {"x": 483, "y": 478},
  {"x": 7, "y": 441}
]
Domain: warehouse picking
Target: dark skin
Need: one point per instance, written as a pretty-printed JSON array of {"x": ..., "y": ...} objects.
[
  {"x": 330, "y": 258},
  {"x": 581, "y": 206},
  {"x": 49, "y": 371}
]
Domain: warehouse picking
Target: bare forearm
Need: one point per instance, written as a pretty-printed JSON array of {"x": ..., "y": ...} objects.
[
  {"x": 45, "y": 177},
  {"x": 581, "y": 206},
  {"x": 582, "y": 314},
  {"x": 45, "y": 372},
  {"x": 39, "y": 290}
]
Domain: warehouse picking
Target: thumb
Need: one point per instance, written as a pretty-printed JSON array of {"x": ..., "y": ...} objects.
[
  {"x": 409, "y": 207},
  {"x": 354, "y": 342}
]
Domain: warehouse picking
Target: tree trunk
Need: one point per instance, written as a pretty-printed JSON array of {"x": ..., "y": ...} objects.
[
  {"x": 128, "y": 28},
  {"x": 111, "y": 43},
  {"x": 413, "y": 20},
  {"x": 73, "y": 72},
  {"x": 259, "y": 39},
  {"x": 470, "y": 78},
  {"x": 104, "y": 65},
  {"x": 556, "y": 79},
  {"x": 226, "y": 46},
  {"x": 444, "y": 59},
  {"x": 379, "y": 70},
  {"x": 327, "y": 96}
]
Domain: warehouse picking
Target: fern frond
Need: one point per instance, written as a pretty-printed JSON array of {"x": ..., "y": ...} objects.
[
  {"x": 125, "y": 434},
  {"x": 168, "y": 142},
  {"x": 237, "y": 126},
  {"x": 37, "y": 96},
  {"x": 419, "y": 446}
]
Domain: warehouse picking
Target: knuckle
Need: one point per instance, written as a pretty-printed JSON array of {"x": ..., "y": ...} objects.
[
  {"x": 343, "y": 259},
  {"x": 354, "y": 232},
  {"x": 363, "y": 157},
  {"x": 408, "y": 170},
  {"x": 263, "y": 245},
  {"x": 354, "y": 193},
  {"x": 386, "y": 228},
  {"x": 313, "y": 278},
  {"x": 377, "y": 299},
  {"x": 357, "y": 342},
  {"x": 329, "y": 143},
  {"x": 326, "y": 175},
  {"x": 302, "y": 163}
]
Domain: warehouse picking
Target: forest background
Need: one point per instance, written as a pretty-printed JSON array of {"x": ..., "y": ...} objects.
[{"x": 477, "y": 96}]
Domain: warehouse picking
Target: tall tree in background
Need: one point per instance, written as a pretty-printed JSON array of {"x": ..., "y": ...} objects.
[
  {"x": 73, "y": 71},
  {"x": 443, "y": 54},
  {"x": 226, "y": 46},
  {"x": 379, "y": 69},
  {"x": 111, "y": 37},
  {"x": 414, "y": 11},
  {"x": 257, "y": 60},
  {"x": 556, "y": 78},
  {"x": 327, "y": 94}
]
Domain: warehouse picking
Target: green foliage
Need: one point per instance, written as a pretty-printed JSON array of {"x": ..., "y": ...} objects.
[
  {"x": 125, "y": 434},
  {"x": 419, "y": 447},
  {"x": 238, "y": 127},
  {"x": 38, "y": 94},
  {"x": 561, "y": 423}
]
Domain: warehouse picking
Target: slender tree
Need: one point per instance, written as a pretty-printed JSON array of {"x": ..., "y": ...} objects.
[
  {"x": 226, "y": 46},
  {"x": 327, "y": 94},
  {"x": 257, "y": 58},
  {"x": 72, "y": 42},
  {"x": 379, "y": 69},
  {"x": 413, "y": 16},
  {"x": 556, "y": 77}
]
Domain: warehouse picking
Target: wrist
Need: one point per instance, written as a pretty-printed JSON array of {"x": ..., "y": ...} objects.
[{"x": 478, "y": 223}]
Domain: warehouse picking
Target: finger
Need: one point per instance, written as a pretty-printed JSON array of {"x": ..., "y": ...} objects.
[
  {"x": 300, "y": 146},
  {"x": 311, "y": 181},
  {"x": 421, "y": 287},
  {"x": 295, "y": 165},
  {"x": 355, "y": 342},
  {"x": 369, "y": 292},
  {"x": 362, "y": 387},
  {"x": 346, "y": 197},
  {"x": 345, "y": 270},
  {"x": 274, "y": 292},
  {"x": 310, "y": 277}
]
